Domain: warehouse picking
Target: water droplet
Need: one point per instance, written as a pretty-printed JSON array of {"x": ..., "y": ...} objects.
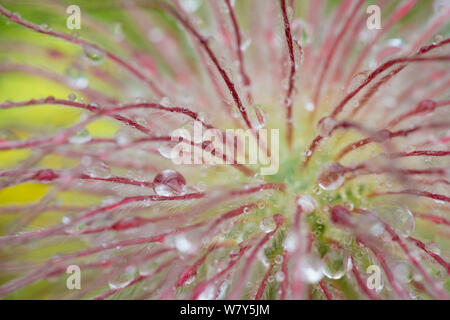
[
  {"x": 438, "y": 38},
  {"x": 433, "y": 247},
  {"x": 301, "y": 31},
  {"x": 147, "y": 268},
  {"x": 72, "y": 97},
  {"x": 124, "y": 279},
  {"x": 290, "y": 243},
  {"x": 99, "y": 170},
  {"x": 299, "y": 56},
  {"x": 440, "y": 6},
  {"x": 395, "y": 42},
  {"x": 402, "y": 272},
  {"x": 192, "y": 131},
  {"x": 278, "y": 259},
  {"x": 426, "y": 105},
  {"x": 169, "y": 183},
  {"x": 223, "y": 290},
  {"x": 201, "y": 186},
  {"x": 309, "y": 105},
  {"x": 66, "y": 220},
  {"x": 331, "y": 176},
  {"x": 267, "y": 224},
  {"x": 289, "y": 12},
  {"x": 310, "y": 269},
  {"x": 190, "y": 5},
  {"x": 349, "y": 205},
  {"x": 165, "y": 150},
  {"x": 201, "y": 115},
  {"x": 357, "y": 80},
  {"x": 164, "y": 102},
  {"x": 118, "y": 31},
  {"x": 307, "y": 203},
  {"x": 207, "y": 293},
  {"x": 398, "y": 217},
  {"x": 75, "y": 35},
  {"x": 257, "y": 116},
  {"x": 49, "y": 99},
  {"x": 122, "y": 137},
  {"x": 139, "y": 100},
  {"x": 245, "y": 44},
  {"x": 77, "y": 78},
  {"x": 189, "y": 280},
  {"x": 183, "y": 244},
  {"x": 325, "y": 126},
  {"x": 146, "y": 203},
  {"x": 235, "y": 112},
  {"x": 261, "y": 204},
  {"x": 94, "y": 55},
  {"x": 81, "y": 137},
  {"x": 336, "y": 264},
  {"x": 155, "y": 35},
  {"x": 279, "y": 276},
  {"x": 76, "y": 229},
  {"x": 381, "y": 135},
  {"x": 317, "y": 190}
]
